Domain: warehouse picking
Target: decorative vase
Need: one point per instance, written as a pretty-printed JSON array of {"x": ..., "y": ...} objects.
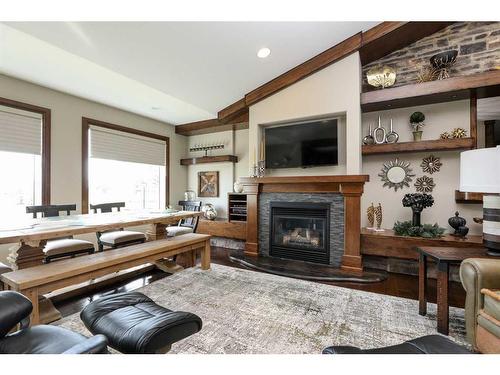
[
  {"x": 368, "y": 140},
  {"x": 392, "y": 136},
  {"x": 415, "y": 220},
  {"x": 189, "y": 195},
  {"x": 417, "y": 135},
  {"x": 379, "y": 133},
  {"x": 209, "y": 211},
  {"x": 458, "y": 224},
  {"x": 237, "y": 187}
]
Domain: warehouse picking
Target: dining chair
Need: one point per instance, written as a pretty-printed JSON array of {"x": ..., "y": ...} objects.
[
  {"x": 115, "y": 238},
  {"x": 60, "y": 247},
  {"x": 187, "y": 225}
]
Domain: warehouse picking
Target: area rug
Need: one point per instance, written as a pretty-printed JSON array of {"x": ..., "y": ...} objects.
[{"x": 248, "y": 312}]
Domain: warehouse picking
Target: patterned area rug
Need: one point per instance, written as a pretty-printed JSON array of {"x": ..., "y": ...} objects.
[{"x": 251, "y": 312}]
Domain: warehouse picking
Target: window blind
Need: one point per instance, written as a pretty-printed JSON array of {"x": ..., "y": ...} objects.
[
  {"x": 116, "y": 145},
  {"x": 20, "y": 131}
]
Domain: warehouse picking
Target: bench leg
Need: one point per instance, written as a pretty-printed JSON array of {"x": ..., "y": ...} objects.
[
  {"x": 205, "y": 256},
  {"x": 32, "y": 295}
]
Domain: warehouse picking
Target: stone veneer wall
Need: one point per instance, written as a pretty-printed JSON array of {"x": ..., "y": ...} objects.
[
  {"x": 336, "y": 201},
  {"x": 478, "y": 44}
]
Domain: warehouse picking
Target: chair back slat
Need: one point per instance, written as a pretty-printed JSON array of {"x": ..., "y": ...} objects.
[
  {"x": 50, "y": 210},
  {"x": 191, "y": 222},
  {"x": 107, "y": 207}
]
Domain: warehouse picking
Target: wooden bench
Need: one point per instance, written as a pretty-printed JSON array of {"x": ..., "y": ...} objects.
[{"x": 35, "y": 281}]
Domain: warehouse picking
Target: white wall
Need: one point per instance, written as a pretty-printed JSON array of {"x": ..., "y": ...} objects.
[
  {"x": 439, "y": 118},
  {"x": 334, "y": 90},
  {"x": 235, "y": 143},
  {"x": 67, "y": 112}
]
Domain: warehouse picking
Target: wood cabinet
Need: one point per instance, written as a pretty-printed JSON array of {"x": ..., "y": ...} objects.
[{"x": 237, "y": 206}]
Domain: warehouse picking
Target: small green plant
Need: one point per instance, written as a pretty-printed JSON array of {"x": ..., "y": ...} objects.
[
  {"x": 406, "y": 228},
  {"x": 417, "y": 120}
]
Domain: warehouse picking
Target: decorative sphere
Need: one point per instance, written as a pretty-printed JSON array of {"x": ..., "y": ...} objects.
[
  {"x": 209, "y": 211},
  {"x": 238, "y": 187}
]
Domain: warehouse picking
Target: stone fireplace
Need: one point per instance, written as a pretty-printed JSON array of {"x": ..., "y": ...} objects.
[{"x": 310, "y": 218}]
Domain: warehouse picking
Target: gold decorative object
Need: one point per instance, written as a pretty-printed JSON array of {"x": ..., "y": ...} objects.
[
  {"x": 425, "y": 184},
  {"x": 378, "y": 217},
  {"x": 459, "y": 133},
  {"x": 381, "y": 76},
  {"x": 445, "y": 135},
  {"x": 370, "y": 213},
  {"x": 431, "y": 164},
  {"x": 427, "y": 74},
  {"x": 396, "y": 174}
]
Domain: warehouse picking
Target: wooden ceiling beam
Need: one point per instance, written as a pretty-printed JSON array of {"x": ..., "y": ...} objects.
[
  {"x": 305, "y": 69},
  {"x": 232, "y": 111},
  {"x": 213, "y": 125}
]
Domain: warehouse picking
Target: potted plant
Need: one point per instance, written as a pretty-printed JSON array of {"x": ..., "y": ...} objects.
[
  {"x": 417, "y": 122},
  {"x": 417, "y": 202}
]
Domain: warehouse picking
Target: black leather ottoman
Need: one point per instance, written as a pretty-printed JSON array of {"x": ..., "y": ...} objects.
[
  {"x": 431, "y": 344},
  {"x": 133, "y": 323}
]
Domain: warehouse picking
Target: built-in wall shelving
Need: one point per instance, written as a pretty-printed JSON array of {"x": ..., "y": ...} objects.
[{"x": 420, "y": 146}]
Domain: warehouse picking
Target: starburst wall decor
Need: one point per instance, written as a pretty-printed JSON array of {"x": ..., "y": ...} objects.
[
  {"x": 425, "y": 184},
  {"x": 431, "y": 164}
]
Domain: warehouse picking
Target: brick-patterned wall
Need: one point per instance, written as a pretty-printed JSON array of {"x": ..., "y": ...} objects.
[{"x": 478, "y": 44}]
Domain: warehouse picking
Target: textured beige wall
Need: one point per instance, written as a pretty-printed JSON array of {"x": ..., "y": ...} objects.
[
  {"x": 334, "y": 90},
  {"x": 67, "y": 112},
  {"x": 439, "y": 118}
]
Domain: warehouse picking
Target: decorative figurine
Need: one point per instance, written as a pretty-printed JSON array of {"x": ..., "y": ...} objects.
[
  {"x": 417, "y": 122},
  {"x": 379, "y": 133},
  {"x": 458, "y": 224},
  {"x": 237, "y": 187},
  {"x": 417, "y": 202},
  {"x": 370, "y": 213},
  {"x": 392, "y": 136},
  {"x": 431, "y": 164},
  {"x": 459, "y": 133},
  {"x": 424, "y": 184},
  {"x": 378, "y": 217},
  {"x": 445, "y": 135},
  {"x": 442, "y": 62},
  {"x": 368, "y": 140}
]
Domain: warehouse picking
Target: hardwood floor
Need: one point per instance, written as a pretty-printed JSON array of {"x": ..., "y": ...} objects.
[{"x": 398, "y": 285}]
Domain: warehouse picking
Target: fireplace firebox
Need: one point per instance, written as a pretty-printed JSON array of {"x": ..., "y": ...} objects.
[{"x": 300, "y": 230}]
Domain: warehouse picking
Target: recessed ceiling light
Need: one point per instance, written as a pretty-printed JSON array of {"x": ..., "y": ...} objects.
[{"x": 263, "y": 52}]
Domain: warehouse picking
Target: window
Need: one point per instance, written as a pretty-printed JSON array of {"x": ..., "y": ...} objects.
[
  {"x": 124, "y": 166},
  {"x": 22, "y": 159}
]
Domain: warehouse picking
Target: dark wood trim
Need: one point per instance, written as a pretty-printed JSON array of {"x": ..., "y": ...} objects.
[
  {"x": 473, "y": 117},
  {"x": 421, "y": 146},
  {"x": 388, "y": 37},
  {"x": 210, "y": 159},
  {"x": 486, "y": 84},
  {"x": 86, "y": 122},
  {"x": 318, "y": 62},
  {"x": 46, "y": 136},
  {"x": 214, "y": 125},
  {"x": 469, "y": 197},
  {"x": 489, "y": 133}
]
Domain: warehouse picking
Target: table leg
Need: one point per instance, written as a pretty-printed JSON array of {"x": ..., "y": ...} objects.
[
  {"x": 205, "y": 256},
  {"x": 422, "y": 285},
  {"x": 156, "y": 232},
  {"x": 442, "y": 298},
  {"x": 24, "y": 255},
  {"x": 32, "y": 295}
]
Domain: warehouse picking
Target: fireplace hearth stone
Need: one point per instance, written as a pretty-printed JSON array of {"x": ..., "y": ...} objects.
[{"x": 336, "y": 228}]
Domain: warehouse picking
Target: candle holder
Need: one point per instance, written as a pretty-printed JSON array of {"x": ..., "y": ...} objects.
[
  {"x": 255, "y": 171},
  {"x": 261, "y": 171}
]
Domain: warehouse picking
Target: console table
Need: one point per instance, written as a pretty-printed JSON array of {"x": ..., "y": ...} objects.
[{"x": 444, "y": 256}]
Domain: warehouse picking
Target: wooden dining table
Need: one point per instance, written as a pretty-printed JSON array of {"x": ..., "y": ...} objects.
[{"x": 30, "y": 236}]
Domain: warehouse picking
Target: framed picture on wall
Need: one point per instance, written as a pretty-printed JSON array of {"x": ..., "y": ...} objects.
[{"x": 208, "y": 184}]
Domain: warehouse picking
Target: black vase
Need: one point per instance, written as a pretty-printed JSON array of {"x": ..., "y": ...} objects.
[
  {"x": 456, "y": 222},
  {"x": 416, "y": 217}
]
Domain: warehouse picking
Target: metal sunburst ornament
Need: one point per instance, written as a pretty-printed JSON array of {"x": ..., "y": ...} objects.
[
  {"x": 459, "y": 133},
  {"x": 425, "y": 184},
  {"x": 396, "y": 174},
  {"x": 431, "y": 164}
]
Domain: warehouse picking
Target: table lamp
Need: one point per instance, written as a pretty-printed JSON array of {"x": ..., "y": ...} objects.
[{"x": 480, "y": 173}]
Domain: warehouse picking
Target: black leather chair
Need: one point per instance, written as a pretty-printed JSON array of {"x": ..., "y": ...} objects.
[
  {"x": 40, "y": 339},
  {"x": 431, "y": 344},
  {"x": 134, "y": 324}
]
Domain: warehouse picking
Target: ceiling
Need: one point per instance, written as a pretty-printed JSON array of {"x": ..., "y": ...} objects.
[{"x": 172, "y": 71}]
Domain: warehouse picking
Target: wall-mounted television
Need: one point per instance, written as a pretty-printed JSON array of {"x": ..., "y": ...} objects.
[{"x": 303, "y": 144}]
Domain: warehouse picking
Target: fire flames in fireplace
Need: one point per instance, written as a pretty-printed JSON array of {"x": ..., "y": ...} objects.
[{"x": 302, "y": 236}]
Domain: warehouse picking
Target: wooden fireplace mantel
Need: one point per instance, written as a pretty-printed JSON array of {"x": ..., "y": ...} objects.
[{"x": 350, "y": 186}]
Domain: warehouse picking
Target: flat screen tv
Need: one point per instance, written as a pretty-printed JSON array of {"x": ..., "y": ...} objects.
[{"x": 306, "y": 144}]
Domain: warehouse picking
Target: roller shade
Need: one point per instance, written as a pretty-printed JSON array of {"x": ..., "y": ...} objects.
[
  {"x": 20, "y": 131},
  {"x": 117, "y": 145}
]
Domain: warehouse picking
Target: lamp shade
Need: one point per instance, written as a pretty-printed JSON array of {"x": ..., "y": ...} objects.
[{"x": 480, "y": 170}]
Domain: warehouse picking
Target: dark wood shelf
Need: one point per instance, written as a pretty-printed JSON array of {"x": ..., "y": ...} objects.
[
  {"x": 470, "y": 198},
  {"x": 420, "y": 146},
  {"x": 484, "y": 85},
  {"x": 210, "y": 159}
]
